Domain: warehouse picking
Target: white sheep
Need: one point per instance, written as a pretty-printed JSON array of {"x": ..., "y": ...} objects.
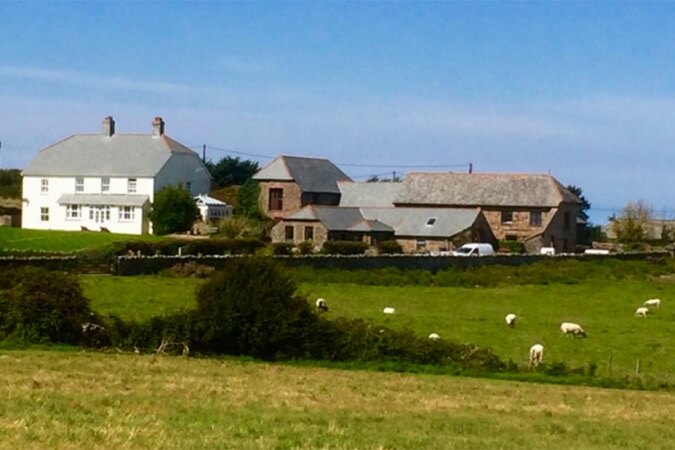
[
  {"x": 572, "y": 328},
  {"x": 511, "y": 320},
  {"x": 536, "y": 355},
  {"x": 434, "y": 336},
  {"x": 641, "y": 311},
  {"x": 656, "y": 302},
  {"x": 321, "y": 304},
  {"x": 389, "y": 310}
]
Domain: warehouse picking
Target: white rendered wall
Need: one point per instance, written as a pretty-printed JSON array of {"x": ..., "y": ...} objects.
[{"x": 34, "y": 200}]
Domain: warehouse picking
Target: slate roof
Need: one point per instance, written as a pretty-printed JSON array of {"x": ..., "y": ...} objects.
[
  {"x": 103, "y": 199},
  {"x": 416, "y": 221},
  {"x": 311, "y": 174},
  {"x": 123, "y": 155},
  {"x": 373, "y": 195},
  {"x": 483, "y": 189},
  {"x": 339, "y": 219}
]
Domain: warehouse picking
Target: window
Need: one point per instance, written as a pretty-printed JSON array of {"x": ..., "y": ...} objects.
[
  {"x": 44, "y": 186},
  {"x": 126, "y": 213},
  {"x": 79, "y": 184},
  {"x": 288, "y": 233},
  {"x": 431, "y": 221},
  {"x": 73, "y": 211},
  {"x": 566, "y": 220},
  {"x": 105, "y": 184},
  {"x": 276, "y": 202},
  {"x": 507, "y": 216},
  {"x": 309, "y": 233},
  {"x": 535, "y": 218},
  {"x": 131, "y": 185},
  {"x": 44, "y": 214}
]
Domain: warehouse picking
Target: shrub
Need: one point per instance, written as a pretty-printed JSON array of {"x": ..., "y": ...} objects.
[
  {"x": 344, "y": 247},
  {"x": 250, "y": 308},
  {"x": 38, "y": 305},
  {"x": 510, "y": 246},
  {"x": 173, "y": 210},
  {"x": 306, "y": 247},
  {"x": 282, "y": 248},
  {"x": 190, "y": 269},
  {"x": 390, "y": 247}
]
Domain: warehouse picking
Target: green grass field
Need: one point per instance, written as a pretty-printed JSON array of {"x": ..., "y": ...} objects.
[
  {"x": 51, "y": 399},
  {"x": 605, "y": 309},
  {"x": 61, "y": 241}
]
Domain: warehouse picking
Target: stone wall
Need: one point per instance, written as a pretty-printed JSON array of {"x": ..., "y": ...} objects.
[{"x": 292, "y": 196}]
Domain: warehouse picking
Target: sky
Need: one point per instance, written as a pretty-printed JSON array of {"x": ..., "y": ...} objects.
[{"x": 583, "y": 90}]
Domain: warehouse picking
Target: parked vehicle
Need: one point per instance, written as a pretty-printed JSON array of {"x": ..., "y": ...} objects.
[{"x": 474, "y": 249}]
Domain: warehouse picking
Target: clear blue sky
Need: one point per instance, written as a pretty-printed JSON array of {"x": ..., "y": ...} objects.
[{"x": 583, "y": 90}]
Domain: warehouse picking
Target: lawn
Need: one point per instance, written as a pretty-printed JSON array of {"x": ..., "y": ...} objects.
[
  {"x": 51, "y": 399},
  {"x": 616, "y": 339},
  {"x": 61, "y": 241}
]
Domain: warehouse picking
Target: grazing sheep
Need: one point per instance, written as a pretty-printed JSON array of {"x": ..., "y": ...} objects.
[
  {"x": 572, "y": 328},
  {"x": 321, "y": 304},
  {"x": 656, "y": 302},
  {"x": 536, "y": 355},
  {"x": 388, "y": 310},
  {"x": 641, "y": 311},
  {"x": 511, "y": 320},
  {"x": 434, "y": 336}
]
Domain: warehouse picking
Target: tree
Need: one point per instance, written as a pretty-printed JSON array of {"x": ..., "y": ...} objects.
[
  {"x": 248, "y": 199},
  {"x": 585, "y": 204},
  {"x": 231, "y": 171},
  {"x": 630, "y": 226},
  {"x": 174, "y": 210}
]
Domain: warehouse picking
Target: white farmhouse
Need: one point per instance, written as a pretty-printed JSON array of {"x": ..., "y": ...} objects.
[{"x": 107, "y": 182}]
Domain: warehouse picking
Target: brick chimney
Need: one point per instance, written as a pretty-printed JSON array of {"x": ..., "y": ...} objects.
[
  {"x": 108, "y": 126},
  {"x": 157, "y": 127}
]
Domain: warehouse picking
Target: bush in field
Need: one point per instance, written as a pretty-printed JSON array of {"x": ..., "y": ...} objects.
[
  {"x": 306, "y": 247},
  {"x": 282, "y": 248},
  {"x": 189, "y": 269},
  {"x": 250, "y": 308},
  {"x": 37, "y": 305}
]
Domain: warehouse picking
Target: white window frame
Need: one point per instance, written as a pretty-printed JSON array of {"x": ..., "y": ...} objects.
[
  {"x": 127, "y": 213},
  {"x": 79, "y": 184},
  {"x": 105, "y": 184},
  {"x": 73, "y": 212},
  {"x": 132, "y": 185},
  {"x": 44, "y": 186},
  {"x": 44, "y": 214}
]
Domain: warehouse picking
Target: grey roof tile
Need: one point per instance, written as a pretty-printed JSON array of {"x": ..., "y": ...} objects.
[
  {"x": 311, "y": 174},
  {"x": 372, "y": 195},
  {"x": 103, "y": 199}
]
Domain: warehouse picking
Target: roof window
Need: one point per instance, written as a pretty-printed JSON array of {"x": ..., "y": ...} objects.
[{"x": 431, "y": 221}]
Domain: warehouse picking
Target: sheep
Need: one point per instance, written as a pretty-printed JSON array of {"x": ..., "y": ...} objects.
[
  {"x": 511, "y": 320},
  {"x": 656, "y": 302},
  {"x": 434, "y": 336},
  {"x": 321, "y": 304},
  {"x": 389, "y": 310},
  {"x": 641, "y": 311},
  {"x": 572, "y": 328},
  {"x": 536, "y": 355}
]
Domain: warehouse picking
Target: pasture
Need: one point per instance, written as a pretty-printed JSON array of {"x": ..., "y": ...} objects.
[
  {"x": 62, "y": 241},
  {"x": 51, "y": 399},
  {"x": 617, "y": 339}
]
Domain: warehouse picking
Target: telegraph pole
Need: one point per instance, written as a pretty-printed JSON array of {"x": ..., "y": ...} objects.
[{"x": 204, "y": 153}]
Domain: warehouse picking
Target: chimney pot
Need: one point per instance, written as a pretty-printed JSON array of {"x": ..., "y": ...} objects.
[
  {"x": 157, "y": 126},
  {"x": 108, "y": 126}
]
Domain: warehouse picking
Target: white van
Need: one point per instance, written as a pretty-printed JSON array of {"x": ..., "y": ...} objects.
[{"x": 474, "y": 249}]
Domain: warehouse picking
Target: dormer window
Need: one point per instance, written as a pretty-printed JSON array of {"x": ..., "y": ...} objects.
[{"x": 431, "y": 221}]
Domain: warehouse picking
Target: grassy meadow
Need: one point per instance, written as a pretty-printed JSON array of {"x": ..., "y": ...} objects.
[
  {"x": 617, "y": 339},
  {"x": 62, "y": 241},
  {"x": 51, "y": 399}
]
